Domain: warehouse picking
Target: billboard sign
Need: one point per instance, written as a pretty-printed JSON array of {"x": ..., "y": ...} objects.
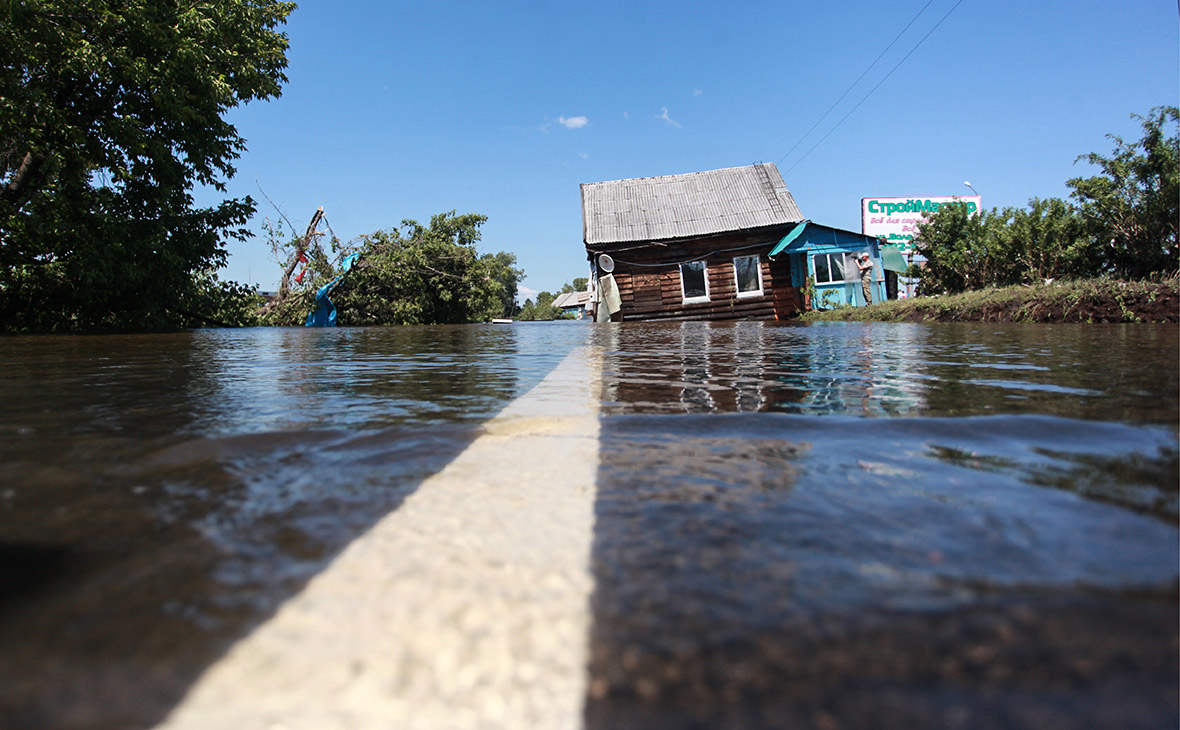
[{"x": 896, "y": 219}]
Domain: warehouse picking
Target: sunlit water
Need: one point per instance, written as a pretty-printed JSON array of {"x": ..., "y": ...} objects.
[
  {"x": 161, "y": 494},
  {"x": 764, "y": 489},
  {"x": 886, "y": 525}
]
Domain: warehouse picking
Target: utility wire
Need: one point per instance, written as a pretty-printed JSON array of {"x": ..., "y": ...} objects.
[
  {"x": 883, "y": 80},
  {"x": 858, "y": 78}
]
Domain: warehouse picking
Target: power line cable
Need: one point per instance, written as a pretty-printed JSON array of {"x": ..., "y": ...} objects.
[
  {"x": 858, "y": 78},
  {"x": 883, "y": 80}
]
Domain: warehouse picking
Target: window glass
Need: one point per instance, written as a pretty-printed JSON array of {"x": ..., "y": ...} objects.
[
  {"x": 837, "y": 266},
  {"x": 692, "y": 279},
  {"x": 822, "y": 275},
  {"x": 748, "y": 272},
  {"x": 828, "y": 268}
]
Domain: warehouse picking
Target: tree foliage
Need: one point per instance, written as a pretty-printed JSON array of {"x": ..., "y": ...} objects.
[
  {"x": 1133, "y": 206},
  {"x": 111, "y": 112},
  {"x": 428, "y": 275},
  {"x": 289, "y": 249},
  {"x": 541, "y": 310},
  {"x": 1123, "y": 224},
  {"x": 211, "y": 302},
  {"x": 1005, "y": 247},
  {"x": 577, "y": 285}
]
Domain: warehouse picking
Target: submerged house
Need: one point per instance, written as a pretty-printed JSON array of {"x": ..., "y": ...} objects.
[
  {"x": 720, "y": 244},
  {"x": 575, "y": 303}
]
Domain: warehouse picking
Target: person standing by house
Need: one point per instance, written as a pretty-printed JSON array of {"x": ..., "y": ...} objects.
[{"x": 866, "y": 276}]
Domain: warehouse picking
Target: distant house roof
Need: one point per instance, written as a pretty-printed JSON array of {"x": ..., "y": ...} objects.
[
  {"x": 571, "y": 299},
  {"x": 683, "y": 206}
]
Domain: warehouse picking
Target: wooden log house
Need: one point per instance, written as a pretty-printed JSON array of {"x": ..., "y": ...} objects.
[{"x": 697, "y": 246}]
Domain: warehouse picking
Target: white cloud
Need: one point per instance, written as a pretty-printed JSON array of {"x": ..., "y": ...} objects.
[
  {"x": 697, "y": 92},
  {"x": 664, "y": 115},
  {"x": 573, "y": 122},
  {"x": 626, "y": 115},
  {"x": 583, "y": 155}
]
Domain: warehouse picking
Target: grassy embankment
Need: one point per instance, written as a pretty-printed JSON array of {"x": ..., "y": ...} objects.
[{"x": 1092, "y": 300}]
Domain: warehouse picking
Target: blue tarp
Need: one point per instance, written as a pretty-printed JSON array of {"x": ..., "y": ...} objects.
[{"x": 324, "y": 314}]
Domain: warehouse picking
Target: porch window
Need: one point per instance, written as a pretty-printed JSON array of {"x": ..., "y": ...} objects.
[
  {"x": 694, "y": 283},
  {"x": 747, "y": 272},
  {"x": 829, "y": 268}
]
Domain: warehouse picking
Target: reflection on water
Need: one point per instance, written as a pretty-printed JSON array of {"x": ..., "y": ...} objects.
[
  {"x": 928, "y": 526},
  {"x": 876, "y": 369},
  {"x": 796, "y": 525},
  {"x": 161, "y": 494},
  {"x": 280, "y": 379}
]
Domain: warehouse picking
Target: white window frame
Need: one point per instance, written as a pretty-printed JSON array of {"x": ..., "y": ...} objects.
[
  {"x": 705, "y": 273},
  {"x": 737, "y": 284},
  {"x": 828, "y": 256}
]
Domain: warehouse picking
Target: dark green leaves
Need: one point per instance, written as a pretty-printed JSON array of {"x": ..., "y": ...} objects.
[
  {"x": 428, "y": 275},
  {"x": 111, "y": 111},
  {"x": 1133, "y": 206},
  {"x": 1124, "y": 224}
]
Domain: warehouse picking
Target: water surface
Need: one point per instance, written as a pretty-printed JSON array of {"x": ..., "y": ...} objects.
[
  {"x": 161, "y": 494},
  {"x": 831, "y": 525},
  {"x": 886, "y": 525}
]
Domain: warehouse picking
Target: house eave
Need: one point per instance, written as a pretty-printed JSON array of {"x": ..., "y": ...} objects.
[{"x": 631, "y": 245}]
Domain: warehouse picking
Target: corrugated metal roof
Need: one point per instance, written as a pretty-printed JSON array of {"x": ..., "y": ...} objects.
[
  {"x": 681, "y": 206},
  {"x": 571, "y": 299}
]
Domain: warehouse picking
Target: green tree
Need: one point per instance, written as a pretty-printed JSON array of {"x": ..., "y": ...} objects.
[
  {"x": 1003, "y": 247},
  {"x": 578, "y": 284},
  {"x": 1132, "y": 207},
  {"x": 306, "y": 265},
  {"x": 111, "y": 112},
  {"x": 1048, "y": 240},
  {"x": 503, "y": 268},
  {"x": 958, "y": 248},
  {"x": 427, "y": 275},
  {"x": 211, "y": 302},
  {"x": 541, "y": 310}
]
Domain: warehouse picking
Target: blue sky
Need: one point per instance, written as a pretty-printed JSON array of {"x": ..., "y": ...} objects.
[{"x": 405, "y": 110}]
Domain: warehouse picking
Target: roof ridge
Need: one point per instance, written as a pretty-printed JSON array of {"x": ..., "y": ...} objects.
[
  {"x": 688, "y": 204},
  {"x": 697, "y": 173}
]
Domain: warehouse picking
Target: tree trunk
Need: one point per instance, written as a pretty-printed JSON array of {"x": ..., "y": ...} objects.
[
  {"x": 300, "y": 249},
  {"x": 21, "y": 186}
]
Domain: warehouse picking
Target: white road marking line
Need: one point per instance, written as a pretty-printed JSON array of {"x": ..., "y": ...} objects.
[{"x": 467, "y": 607}]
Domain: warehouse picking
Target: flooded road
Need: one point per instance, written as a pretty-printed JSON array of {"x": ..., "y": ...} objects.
[
  {"x": 886, "y": 526},
  {"x": 160, "y": 495},
  {"x": 834, "y": 525}
]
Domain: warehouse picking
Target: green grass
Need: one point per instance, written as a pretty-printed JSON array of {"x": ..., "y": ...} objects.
[{"x": 1091, "y": 300}]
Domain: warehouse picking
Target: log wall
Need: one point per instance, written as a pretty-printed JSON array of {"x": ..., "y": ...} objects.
[{"x": 649, "y": 285}]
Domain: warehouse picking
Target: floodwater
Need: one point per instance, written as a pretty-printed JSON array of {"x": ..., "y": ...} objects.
[
  {"x": 886, "y": 526},
  {"x": 160, "y": 495},
  {"x": 831, "y": 525}
]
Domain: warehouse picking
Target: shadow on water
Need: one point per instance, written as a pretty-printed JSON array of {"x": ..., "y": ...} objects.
[
  {"x": 162, "y": 495},
  {"x": 887, "y": 526}
]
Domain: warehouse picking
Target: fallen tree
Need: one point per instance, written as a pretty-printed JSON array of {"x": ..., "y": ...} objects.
[{"x": 412, "y": 274}]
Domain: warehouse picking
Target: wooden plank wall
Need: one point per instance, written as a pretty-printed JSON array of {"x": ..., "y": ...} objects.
[{"x": 650, "y": 288}]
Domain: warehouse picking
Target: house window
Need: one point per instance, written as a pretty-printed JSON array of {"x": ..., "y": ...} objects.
[
  {"x": 747, "y": 272},
  {"x": 828, "y": 268},
  {"x": 694, "y": 283}
]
